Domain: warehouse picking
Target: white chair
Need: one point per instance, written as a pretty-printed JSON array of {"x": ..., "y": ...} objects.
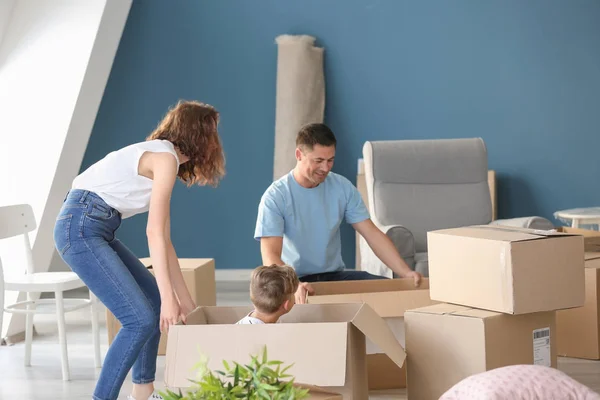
[{"x": 18, "y": 220}]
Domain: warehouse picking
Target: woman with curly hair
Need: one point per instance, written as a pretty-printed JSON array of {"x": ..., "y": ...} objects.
[{"x": 135, "y": 179}]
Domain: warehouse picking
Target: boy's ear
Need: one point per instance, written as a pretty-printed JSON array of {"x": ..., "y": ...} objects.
[{"x": 287, "y": 305}]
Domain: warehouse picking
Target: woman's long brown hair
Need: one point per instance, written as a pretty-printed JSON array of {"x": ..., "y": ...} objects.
[{"x": 192, "y": 127}]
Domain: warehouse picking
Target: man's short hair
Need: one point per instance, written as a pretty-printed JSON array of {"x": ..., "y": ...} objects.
[
  {"x": 271, "y": 286},
  {"x": 315, "y": 133}
]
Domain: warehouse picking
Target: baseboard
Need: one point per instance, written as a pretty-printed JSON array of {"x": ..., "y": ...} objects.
[{"x": 228, "y": 275}]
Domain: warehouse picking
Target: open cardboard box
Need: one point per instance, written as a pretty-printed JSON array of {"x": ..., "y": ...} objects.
[
  {"x": 326, "y": 343},
  {"x": 390, "y": 298},
  {"x": 506, "y": 269}
]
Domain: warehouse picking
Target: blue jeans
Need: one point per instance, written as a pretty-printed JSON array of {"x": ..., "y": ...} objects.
[
  {"x": 345, "y": 275},
  {"x": 84, "y": 235}
]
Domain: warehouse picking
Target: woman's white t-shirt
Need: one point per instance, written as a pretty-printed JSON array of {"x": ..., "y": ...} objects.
[{"x": 116, "y": 180}]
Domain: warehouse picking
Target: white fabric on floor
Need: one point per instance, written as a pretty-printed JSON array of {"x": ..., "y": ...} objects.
[{"x": 300, "y": 95}]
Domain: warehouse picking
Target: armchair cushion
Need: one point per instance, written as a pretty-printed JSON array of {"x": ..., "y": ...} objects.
[
  {"x": 427, "y": 184},
  {"x": 526, "y": 222},
  {"x": 404, "y": 242}
]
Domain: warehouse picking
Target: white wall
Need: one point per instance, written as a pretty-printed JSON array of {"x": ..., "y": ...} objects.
[
  {"x": 55, "y": 59},
  {"x": 6, "y": 7}
]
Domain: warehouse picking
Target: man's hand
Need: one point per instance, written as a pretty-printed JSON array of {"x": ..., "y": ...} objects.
[
  {"x": 303, "y": 288},
  {"x": 385, "y": 250},
  {"x": 415, "y": 276}
]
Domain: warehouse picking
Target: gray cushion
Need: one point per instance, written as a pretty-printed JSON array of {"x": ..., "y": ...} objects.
[{"x": 430, "y": 184}]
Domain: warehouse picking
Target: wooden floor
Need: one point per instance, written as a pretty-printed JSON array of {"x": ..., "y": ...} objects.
[{"x": 43, "y": 379}]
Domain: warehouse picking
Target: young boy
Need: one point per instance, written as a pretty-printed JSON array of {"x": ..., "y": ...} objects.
[{"x": 272, "y": 291}]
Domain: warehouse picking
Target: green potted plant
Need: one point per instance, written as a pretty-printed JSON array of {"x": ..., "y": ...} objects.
[{"x": 260, "y": 379}]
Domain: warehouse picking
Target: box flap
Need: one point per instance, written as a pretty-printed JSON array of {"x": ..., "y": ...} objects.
[
  {"x": 388, "y": 297},
  {"x": 196, "y": 317},
  {"x": 440, "y": 309},
  {"x": 501, "y": 233},
  {"x": 366, "y": 286},
  {"x": 376, "y": 329},
  {"x": 313, "y": 313},
  {"x": 454, "y": 309},
  {"x": 592, "y": 255}
]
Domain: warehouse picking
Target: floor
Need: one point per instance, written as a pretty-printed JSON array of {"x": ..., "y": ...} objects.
[{"x": 43, "y": 381}]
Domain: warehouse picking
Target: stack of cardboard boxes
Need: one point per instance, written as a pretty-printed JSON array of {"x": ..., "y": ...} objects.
[
  {"x": 499, "y": 289},
  {"x": 579, "y": 328},
  {"x": 491, "y": 301}
]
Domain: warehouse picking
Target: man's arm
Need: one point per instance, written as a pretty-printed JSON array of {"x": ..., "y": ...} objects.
[
  {"x": 384, "y": 249},
  {"x": 270, "y": 250}
]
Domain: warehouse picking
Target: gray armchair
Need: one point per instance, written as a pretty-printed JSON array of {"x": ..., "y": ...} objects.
[{"x": 416, "y": 186}]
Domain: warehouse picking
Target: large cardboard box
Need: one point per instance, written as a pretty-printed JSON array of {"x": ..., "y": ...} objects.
[
  {"x": 578, "y": 328},
  {"x": 447, "y": 343},
  {"x": 390, "y": 298},
  {"x": 199, "y": 277},
  {"x": 325, "y": 343},
  {"x": 506, "y": 269}
]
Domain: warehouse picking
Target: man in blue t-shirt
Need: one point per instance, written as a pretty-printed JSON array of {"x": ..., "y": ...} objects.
[{"x": 300, "y": 214}]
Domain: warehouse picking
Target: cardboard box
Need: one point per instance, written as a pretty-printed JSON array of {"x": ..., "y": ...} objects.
[
  {"x": 324, "y": 342},
  {"x": 390, "y": 298},
  {"x": 578, "y": 328},
  {"x": 447, "y": 343},
  {"x": 591, "y": 239},
  {"x": 506, "y": 269},
  {"x": 199, "y": 277}
]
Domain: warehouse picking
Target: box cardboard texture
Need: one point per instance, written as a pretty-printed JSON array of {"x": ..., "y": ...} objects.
[
  {"x": 389, "y": 298},
  {"x": 591, "y": 239},
  {"x": 506, "y": 269},
  {"x": 324, "y": 342},
  {"x": 199, "y": 277},
  {"x": 447, "y": 343},
  {"x": 578, "y": 328}
]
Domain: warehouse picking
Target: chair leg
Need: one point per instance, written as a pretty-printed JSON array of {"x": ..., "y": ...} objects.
[
  {"x": 60, "y": 315},
  {"x": 95, "y": 330},
  {"x": 28, "y": 331}
]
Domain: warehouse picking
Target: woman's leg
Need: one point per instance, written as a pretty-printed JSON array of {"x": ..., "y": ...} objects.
[
  {"x": 107, "y": 276},
  {"x": 144, "y": 368},
  {"x": 82, "y": 233}
]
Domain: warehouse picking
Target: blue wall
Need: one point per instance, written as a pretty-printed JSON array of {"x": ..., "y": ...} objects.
[{"x": 524, "y": 75}]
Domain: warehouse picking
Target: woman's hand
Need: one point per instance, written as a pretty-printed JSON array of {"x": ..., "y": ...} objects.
[
  {"x": 170, "y": 313},
  {"x": 186, "y": 308}
]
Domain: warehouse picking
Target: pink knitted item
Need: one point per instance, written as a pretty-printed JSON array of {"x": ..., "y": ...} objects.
[{"x": 520, "y": 382}]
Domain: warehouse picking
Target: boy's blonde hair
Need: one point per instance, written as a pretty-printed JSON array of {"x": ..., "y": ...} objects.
[{"x": 271, "y": 286}]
